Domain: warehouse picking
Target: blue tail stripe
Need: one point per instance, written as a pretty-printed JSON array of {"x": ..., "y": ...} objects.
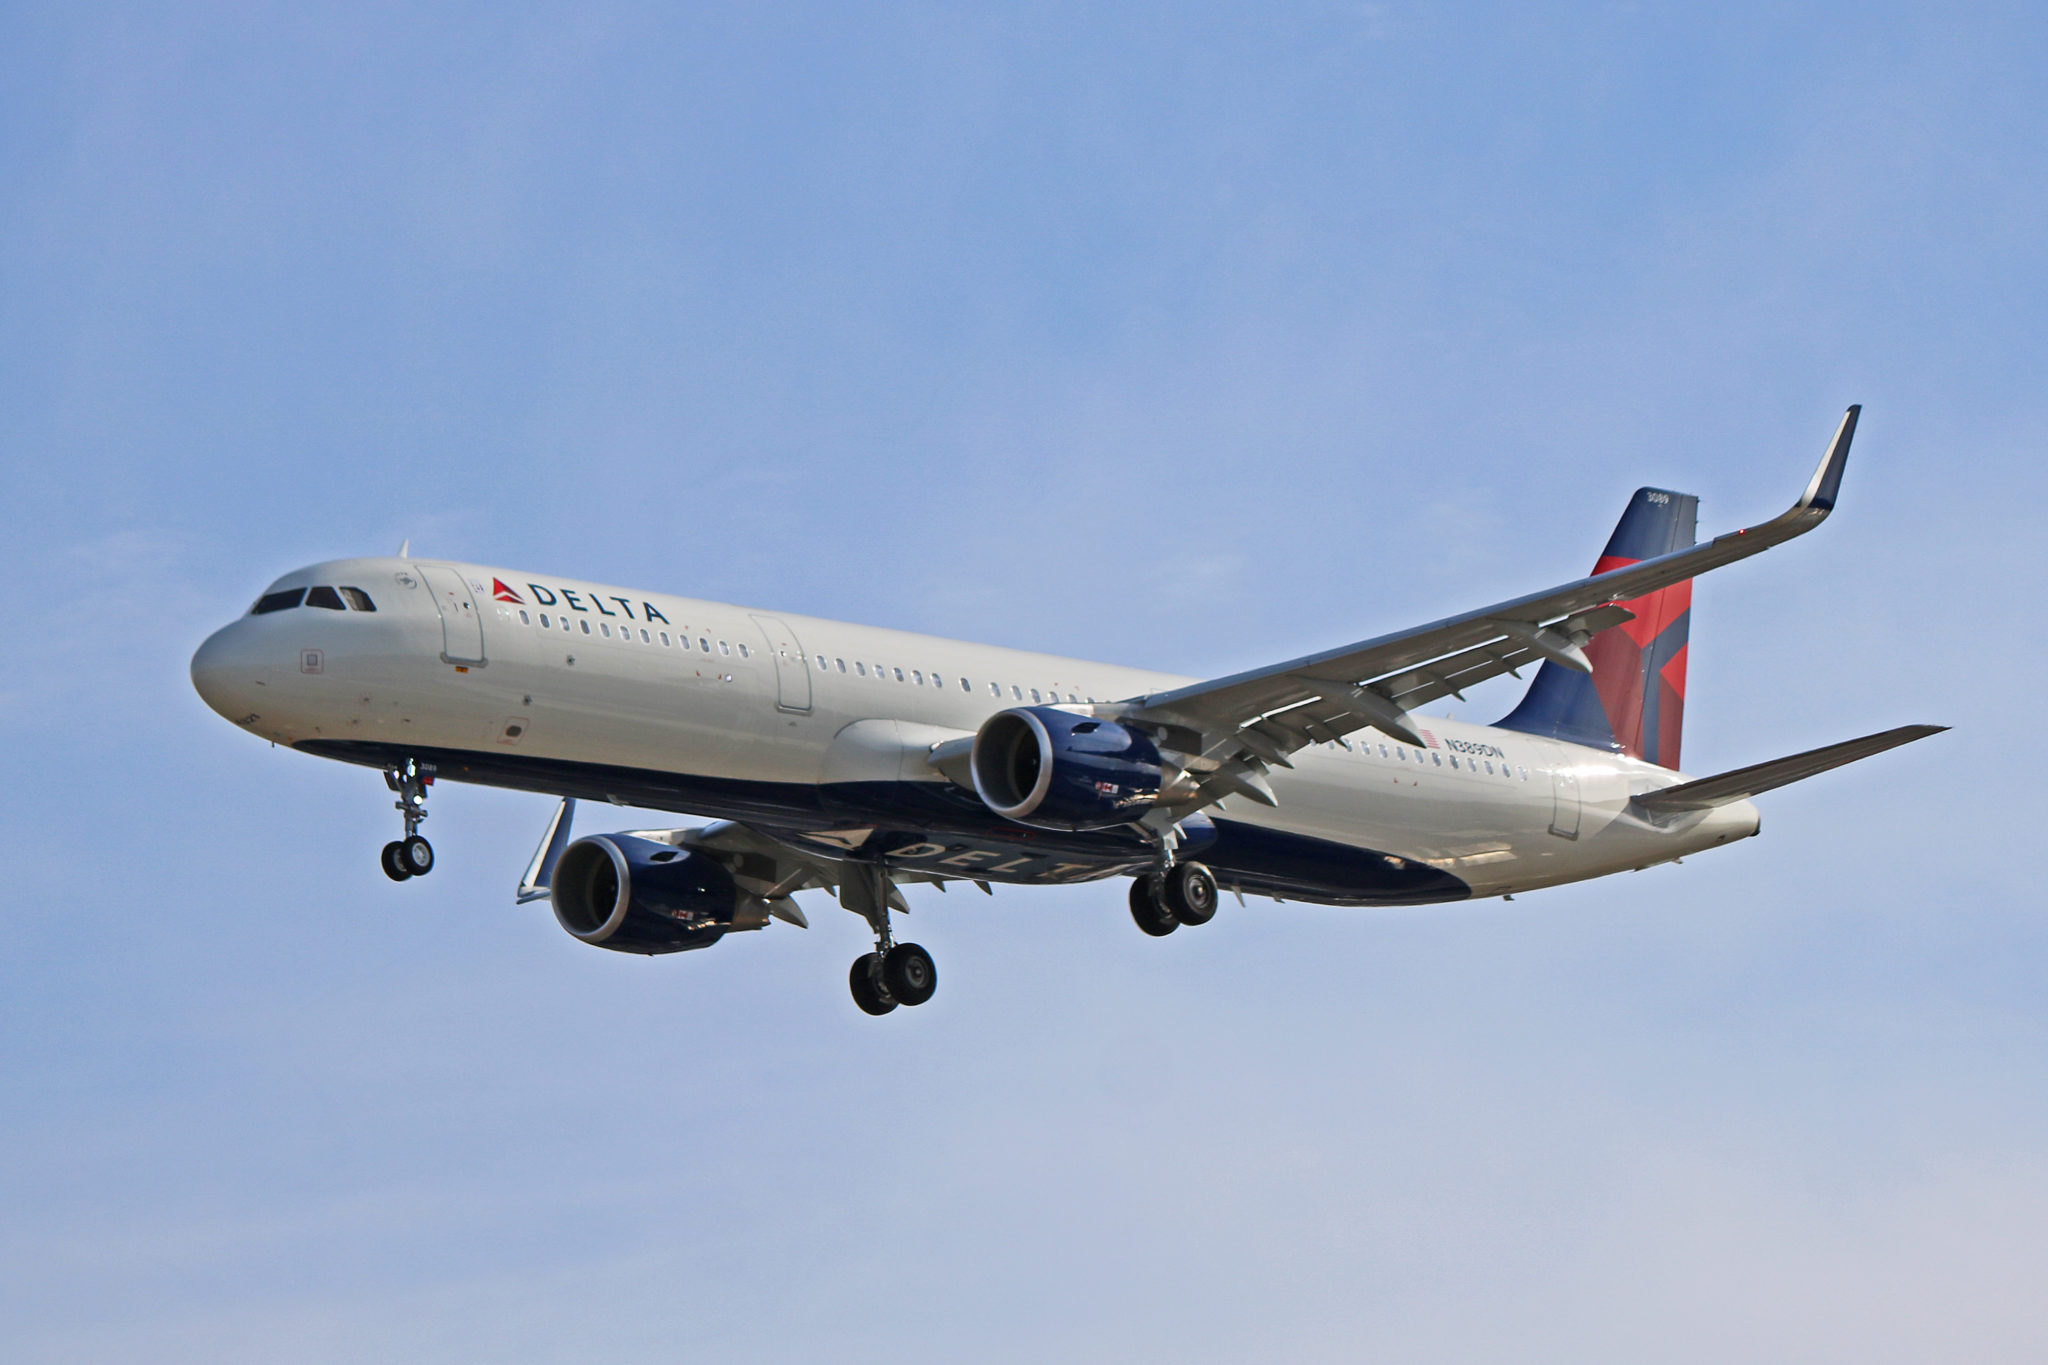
[{"x": 1657, "y": 522}]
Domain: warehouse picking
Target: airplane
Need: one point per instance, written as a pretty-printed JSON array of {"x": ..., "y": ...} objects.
[{"x": 859, "y": 760}]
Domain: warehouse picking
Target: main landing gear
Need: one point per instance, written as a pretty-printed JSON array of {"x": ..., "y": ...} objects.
[
  {"x": 1184, "y": 893},
  {"x": 894, "y": 973},
  {"x": 411, "y": 856}
]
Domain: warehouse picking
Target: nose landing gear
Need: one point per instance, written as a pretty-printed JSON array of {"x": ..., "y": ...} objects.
[{"x": 411, "y": 856}]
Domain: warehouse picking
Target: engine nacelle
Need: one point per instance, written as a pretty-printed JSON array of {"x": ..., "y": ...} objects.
[
  {"x": 1039, "y": 765},
  {"x": 634, "y": 895}
]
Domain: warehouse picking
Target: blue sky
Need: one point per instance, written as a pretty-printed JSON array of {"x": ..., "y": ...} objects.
[{"x": 1185, "y": 336}]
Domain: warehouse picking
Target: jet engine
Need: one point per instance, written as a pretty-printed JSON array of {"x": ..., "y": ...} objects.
[
  {"x": 1042, "y": 766},
  {"x": 635, "y": 895}
]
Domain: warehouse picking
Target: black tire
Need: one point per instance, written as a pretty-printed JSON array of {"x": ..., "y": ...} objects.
[
  {"x": 394, "y": 862},
  {"x": 1191, "y": 893},
  {"x": 417, "y": 855},
  {"x": 1152, "y": 916},
  {"x": 866, "y": 982},
  {"x": 909, "y": 975}
]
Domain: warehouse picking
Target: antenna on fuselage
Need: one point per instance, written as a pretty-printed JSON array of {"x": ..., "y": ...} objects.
[{"x": 405, "y": 548}]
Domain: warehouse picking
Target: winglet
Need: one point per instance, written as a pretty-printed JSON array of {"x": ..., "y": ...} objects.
[
  {"x": 1827, "y": 480},
  {"x": 540, "y": 873}
]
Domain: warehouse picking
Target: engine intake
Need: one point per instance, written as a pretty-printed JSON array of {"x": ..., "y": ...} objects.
[
  {"x": 1042, "y": 766},
  {"x": 635, "y": 895}
]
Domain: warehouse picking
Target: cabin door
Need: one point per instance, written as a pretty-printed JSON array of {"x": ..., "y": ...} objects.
[{"x": 462, "y": 629}]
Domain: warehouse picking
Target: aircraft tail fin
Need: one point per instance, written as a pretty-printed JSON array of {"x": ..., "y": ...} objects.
[{"x": 1633, "y": 701}]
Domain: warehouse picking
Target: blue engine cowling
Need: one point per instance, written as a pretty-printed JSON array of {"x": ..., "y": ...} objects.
[
  {"x": 634, "y": 895},
  {"x": 1042, "y": 766}
]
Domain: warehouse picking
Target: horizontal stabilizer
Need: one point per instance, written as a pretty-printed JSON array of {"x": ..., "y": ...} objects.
[{"x": 1744, "y": 783}]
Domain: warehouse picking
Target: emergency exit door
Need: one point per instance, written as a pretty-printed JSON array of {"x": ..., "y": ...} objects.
[{"x": 792, "y": 671}]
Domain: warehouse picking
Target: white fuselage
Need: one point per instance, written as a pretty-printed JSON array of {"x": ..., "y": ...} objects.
[{"x": 822, "y": 729}]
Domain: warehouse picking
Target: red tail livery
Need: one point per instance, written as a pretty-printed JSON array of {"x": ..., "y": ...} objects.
[{"x": 1634, "y": 700}]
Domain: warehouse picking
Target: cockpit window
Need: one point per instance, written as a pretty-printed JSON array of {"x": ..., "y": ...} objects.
[
  {"x": 278, "y": 601},
  {"x": 324, "y": 596},
  {"x": 359, "y": 599}
]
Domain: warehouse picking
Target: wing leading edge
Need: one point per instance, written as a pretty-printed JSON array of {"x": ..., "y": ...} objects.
[{"x": 1232, "y": 730}]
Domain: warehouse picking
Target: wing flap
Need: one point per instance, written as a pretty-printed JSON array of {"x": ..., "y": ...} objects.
[{"x": 1743, "y": 783}]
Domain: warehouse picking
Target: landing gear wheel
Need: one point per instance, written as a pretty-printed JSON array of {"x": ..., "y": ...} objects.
[
  {"x": 1152, "y": 916},
  {"x": 866, "y": 981},
  {"x": 1191, "y": 893},
  {"x": 394, "y": 861},
  {"x": 909, "y": 975},
  {"x": 416, "y": 855}
]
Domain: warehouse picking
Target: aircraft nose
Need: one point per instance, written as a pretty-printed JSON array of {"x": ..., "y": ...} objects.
[{"x": 221, "y": 673}]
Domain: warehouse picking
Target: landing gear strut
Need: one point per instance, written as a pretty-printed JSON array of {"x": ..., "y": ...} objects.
[
  {"x": 411, "y": 856},
  {"x": 894, "y": 973},
  {"x": 1184, "y": 893}
]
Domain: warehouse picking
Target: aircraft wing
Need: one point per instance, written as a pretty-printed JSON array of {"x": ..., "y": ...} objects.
[{"x": 1231, "y": 729}]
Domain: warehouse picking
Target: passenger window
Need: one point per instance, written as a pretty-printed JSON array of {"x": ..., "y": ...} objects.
[
  {"x": 545, "y": 623},
  {"x": 1401, "y": 754},
  {"x": 585, "y": 625},
  {"x": 841, "y": 663},
  {"x": 1383, "y": 751},
  {"x": 744, "y": 654},
  {"x": 278, "y": 601},
  {"x": 1034, "y": 694},
  {"x": 917, "y": 676},
  {"x": 899, "y": 675},
  {"x": 1454, "y": 760},
  {"x": 724, "y": 648},
  {"x": 604, "y": 630},
  {"x": 860, "y": 668},
  {"x": 664, "y": 638},
  {"x": 995, "y": 689},
  {"x": 823, "y": 665},
  {"x": 1489, "y": 767},
  {"x": 964, "y": 687},
  {"x": 703, "y": 644},
  {"x": 524, "y": 619},
  {"x": 358, "y": 599},
  {"x": 1016, "y": 692},
  {"x": 647, "y": 639},
  {"x": 1437, "y": 759}
]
